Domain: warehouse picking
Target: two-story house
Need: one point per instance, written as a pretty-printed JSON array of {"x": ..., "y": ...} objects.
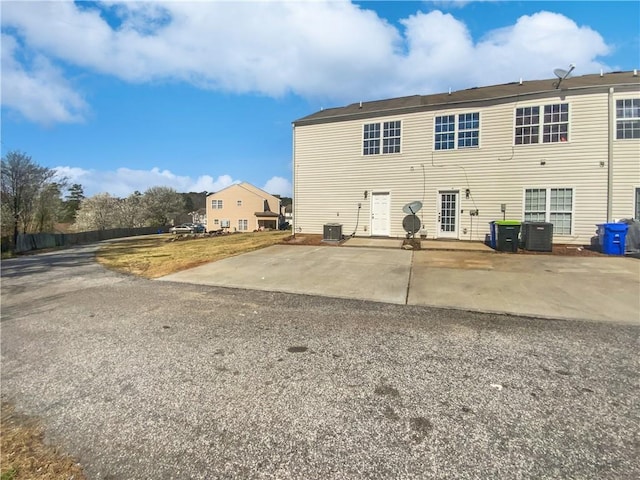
[
  {"x": 242, "y": 208},
  {"x": 564, "y": 152}
]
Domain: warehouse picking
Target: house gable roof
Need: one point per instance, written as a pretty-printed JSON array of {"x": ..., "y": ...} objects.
[
  {"x": 248, "y": 187},
  {"x": 489, "y": 94}
]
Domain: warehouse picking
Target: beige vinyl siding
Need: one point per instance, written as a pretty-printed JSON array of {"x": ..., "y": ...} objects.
[
  {"x": 331, "y": 173},
  {"x": 252, "y": 199},
  {"x": 626, "y": 170}
]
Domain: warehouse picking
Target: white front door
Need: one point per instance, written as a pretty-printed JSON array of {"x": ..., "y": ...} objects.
[
  {"x": 380, "y": 224},
  {"x": 448, "y": 215}
]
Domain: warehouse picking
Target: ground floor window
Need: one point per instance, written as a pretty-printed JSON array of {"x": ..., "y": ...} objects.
[
  {"x": 553, "y": 205},
  {"x": 243, "y": 225}
]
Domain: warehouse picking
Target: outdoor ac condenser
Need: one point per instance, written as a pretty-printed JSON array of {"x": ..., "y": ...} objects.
[
  {"x": 332, "y": 232},
  {"x": 537, "y": 236}
]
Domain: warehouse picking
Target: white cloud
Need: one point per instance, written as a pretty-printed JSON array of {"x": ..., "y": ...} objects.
[
  {"x": 537, "y": 43},
  {"x": 329, "y": 49},
  {"x": 124, "y": 181},
  {"x": 278, "y": 186},
  {"x": 39, "y": 91}
]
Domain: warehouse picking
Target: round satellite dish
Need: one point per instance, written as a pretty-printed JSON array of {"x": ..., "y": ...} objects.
[
  {"x": 561, "y": 73},
  {"x": 411, "y": 224},
  {"x": 412, "y": 207}
]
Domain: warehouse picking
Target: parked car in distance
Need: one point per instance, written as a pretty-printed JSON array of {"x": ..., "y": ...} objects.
[
  {"x": 184, "y": 228},
  {"x": 199, "y": 228}
]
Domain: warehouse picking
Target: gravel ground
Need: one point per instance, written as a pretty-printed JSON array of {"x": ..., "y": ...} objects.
[{"x": 140, "y": 379}]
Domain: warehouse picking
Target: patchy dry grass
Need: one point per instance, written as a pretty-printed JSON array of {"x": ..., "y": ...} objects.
[
  {"x": 24, "y": 454},
  {"x": 154, "y": 256}
]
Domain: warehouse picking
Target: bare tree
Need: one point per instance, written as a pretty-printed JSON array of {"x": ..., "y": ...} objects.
[
  {"x": 22, "y": 183},
  {"x": 47, "y": 208},
  {"x": 97, "y": 213},
  {"x": 131, "y": 212}
]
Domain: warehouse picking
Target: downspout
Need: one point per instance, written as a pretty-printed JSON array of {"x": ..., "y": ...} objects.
[
  {"x": 610, "y": 158},
  {"x": 294, "y": 203}
]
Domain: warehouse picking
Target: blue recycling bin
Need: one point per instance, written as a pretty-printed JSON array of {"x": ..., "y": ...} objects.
[
  {"x": 612, "y": 237},
  {"x": 492, "y": 235}
]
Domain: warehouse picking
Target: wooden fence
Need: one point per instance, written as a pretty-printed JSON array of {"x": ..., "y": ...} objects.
[{"x": 37, "y": 241}]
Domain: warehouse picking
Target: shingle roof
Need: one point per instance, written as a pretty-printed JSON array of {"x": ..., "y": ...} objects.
[{"x": 493, "y": 93}]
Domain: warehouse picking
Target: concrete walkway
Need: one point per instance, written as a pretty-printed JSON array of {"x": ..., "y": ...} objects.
[{"x": 459, "y": 275}]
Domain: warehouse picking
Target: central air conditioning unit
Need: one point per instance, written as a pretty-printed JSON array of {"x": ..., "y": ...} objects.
[
  {"x": 537, "y": 236},
  {"x": 332, "y": 232}
]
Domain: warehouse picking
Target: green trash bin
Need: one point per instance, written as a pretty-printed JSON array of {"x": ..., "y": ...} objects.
[{"x": 508, "y": 232}]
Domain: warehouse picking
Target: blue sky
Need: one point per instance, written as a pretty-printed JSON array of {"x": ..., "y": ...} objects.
[{"x": 122, "y": 96}]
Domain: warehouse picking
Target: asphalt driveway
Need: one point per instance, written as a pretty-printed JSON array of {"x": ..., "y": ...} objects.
[{"x": 143, "y": 379}]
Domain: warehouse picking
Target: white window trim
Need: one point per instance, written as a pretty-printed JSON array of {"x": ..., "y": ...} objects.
[
  {"x": 456, "y": 130},
  {"x": 381, "y": 138},
  {"x": 617, "y": 119},
  {"x": 541, "y": 125},
  {"x": 547, "y": 207},
  {"x": 362, "y": 140}
]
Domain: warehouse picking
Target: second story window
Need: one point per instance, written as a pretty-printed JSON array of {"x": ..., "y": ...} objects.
[
  {"x": 239, "y": 203},
  {"x": 553, "y": 124},
  {"x": 371, "y": 145},
  {"x": 445, "y": 132},
  {"x": 451, "y": 134},
  {"x": 468, "y": 130},
  {"x": 391, "y": 137},
  {"x": 556, "y": 123},
  {"x": 391, "y": 133},
  {"x": 216, "y": 204},
  {"x": 628, "y": 118}
]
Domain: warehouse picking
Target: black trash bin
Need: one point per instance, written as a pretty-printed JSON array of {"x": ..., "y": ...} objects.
[{"x": 508, "y": 232}]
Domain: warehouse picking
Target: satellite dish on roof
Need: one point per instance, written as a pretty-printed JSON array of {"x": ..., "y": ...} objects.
[
  {"x": 412, "y": 207},
  {"x": 561, "y": 73}
]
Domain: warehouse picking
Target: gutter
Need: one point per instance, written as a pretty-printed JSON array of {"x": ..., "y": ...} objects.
[
  {"x": 610, "y": 156},
  {"x": 294, "y": 202}
]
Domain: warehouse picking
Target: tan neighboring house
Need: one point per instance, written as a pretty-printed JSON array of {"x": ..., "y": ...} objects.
[
  {"x": 242, "y": 208},
  {"x": 566, "y": 154}
]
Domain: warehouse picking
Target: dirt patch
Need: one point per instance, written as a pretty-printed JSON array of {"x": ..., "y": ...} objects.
[
  {"x": 411, "y": 243},
  {"x": 567, "y": 250},
  {"x": 563, "y": 250},
  {"x": 26, "y": 456},
  {"x": 306, "y": 239}
]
